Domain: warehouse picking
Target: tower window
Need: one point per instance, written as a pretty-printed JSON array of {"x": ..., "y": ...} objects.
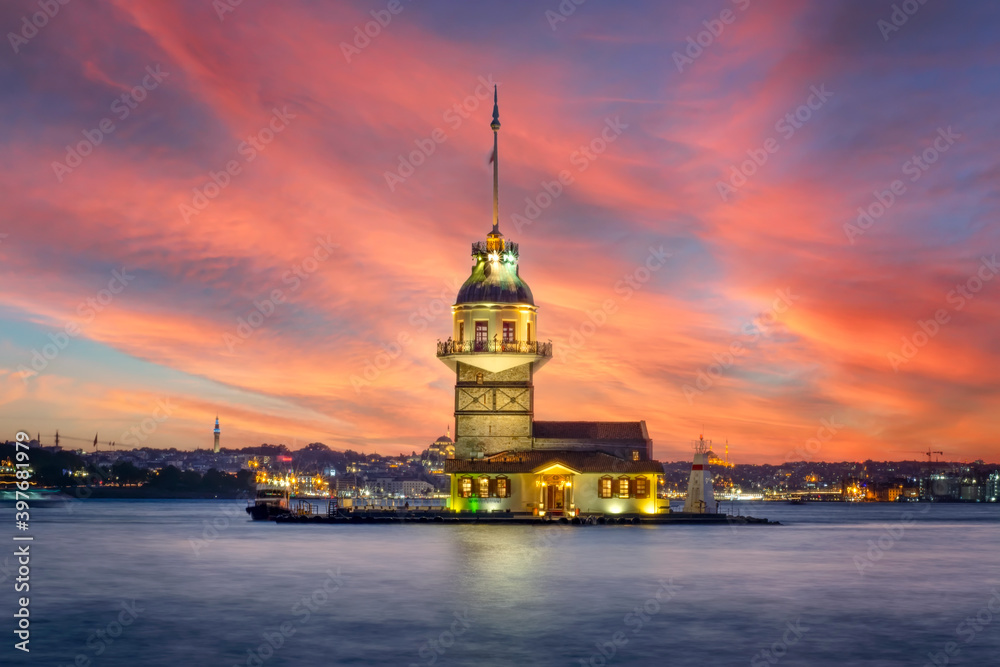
[
  {"x": 529, "y": 332},
  {"x": 509, "y": 331},
  {"x": 604, "y": 487},
  {"x": 479, "y": 378},
  {"x": 482, "y": 336},
  {"x": 635, "y": 454},
  {"x": 461, "y": 332}
]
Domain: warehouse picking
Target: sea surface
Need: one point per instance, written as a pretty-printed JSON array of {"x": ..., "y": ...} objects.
[{"x": 149, "y": 583}]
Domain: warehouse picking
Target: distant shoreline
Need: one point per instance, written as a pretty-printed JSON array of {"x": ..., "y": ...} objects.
[{"x": 131, "y": 493}]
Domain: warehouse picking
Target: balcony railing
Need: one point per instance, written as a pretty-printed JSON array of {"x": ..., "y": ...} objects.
[{"x": 445, "y": 348}]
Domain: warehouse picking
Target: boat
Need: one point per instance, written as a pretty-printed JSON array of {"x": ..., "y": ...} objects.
[
  {"x": 271, "y": 500},
  {"x": 278, "y": 494}
]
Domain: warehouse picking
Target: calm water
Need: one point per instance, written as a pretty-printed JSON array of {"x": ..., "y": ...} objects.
[{"x": 519, "y": 595}]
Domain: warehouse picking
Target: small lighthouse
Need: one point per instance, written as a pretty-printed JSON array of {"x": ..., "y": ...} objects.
[
  {"x": 218, "y": 432},
  {"x": 700, "y": 497}
]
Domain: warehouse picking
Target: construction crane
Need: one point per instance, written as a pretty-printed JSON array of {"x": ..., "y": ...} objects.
[{"x": 929, "y": 453}]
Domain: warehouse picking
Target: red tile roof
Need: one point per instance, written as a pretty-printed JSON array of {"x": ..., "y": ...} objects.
[
  {"x": 589, "y": 430},
  {"x": 530, "y": 461}
]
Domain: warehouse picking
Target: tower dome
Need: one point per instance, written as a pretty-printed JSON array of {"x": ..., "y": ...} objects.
[{"x": 495, "y": 277}]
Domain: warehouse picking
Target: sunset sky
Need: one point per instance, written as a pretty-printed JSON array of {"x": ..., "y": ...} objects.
[{"x": 118, "y": 247}]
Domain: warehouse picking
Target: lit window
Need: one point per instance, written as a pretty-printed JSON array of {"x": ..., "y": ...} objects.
[
  {"x": 484, "y": 487},
  {"x": 503, "y": 487},
  {"x": 465, "y": 487},
  {"x": 635, "y": 454},
  {"x": 623, "y": 487},
  {"x": 641, "y": 487},
  {"x": 509, "y": 331},
  {"x": 482, "y": 336},
  {"x": 461, "y": 332},
  {"x": 604, "y": 487},
  {"x": 479, "y": 378}
]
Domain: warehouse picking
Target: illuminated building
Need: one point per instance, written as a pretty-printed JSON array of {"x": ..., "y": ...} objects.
[
  {"x": 218, "y": 432},
  {"x": 504, "y": 459}
]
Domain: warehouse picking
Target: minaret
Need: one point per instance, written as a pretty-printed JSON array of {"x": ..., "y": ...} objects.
[
  {"x": 493, "y": 348},
  {"x": 700, "y": 496},
  {"x": 218, "y": 432}
]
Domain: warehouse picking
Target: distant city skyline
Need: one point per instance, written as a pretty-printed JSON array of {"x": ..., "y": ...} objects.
[{"x": 763, "y": 230}]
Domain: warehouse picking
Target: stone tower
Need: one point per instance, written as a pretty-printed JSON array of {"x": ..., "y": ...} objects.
[
  {"x": 218, "y": 432},
  {"x": 493, "y": 347}
]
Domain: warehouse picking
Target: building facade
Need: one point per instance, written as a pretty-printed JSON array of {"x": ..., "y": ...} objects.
[{"x": 505, "y": 460}]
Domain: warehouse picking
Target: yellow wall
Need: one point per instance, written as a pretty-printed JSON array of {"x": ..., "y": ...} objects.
[
  {"x": 526, "y": 493},
  {"x": 495, "y": 314}
]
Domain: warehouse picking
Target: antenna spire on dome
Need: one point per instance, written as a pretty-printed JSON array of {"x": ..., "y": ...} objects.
[{"x": 495, "y": 126}]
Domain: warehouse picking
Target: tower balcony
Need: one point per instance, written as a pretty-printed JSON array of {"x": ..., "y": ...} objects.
[{"x": 493, "y": 356}]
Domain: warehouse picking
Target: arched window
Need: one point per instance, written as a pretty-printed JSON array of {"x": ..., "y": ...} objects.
[
  {"x": 623, "y": 484},
  {"x": 503, "y": 487},
  {"x": 465, "y": 487},
  {"x": 605, "y": 487},
  {"x": 484, "y": 487}
]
